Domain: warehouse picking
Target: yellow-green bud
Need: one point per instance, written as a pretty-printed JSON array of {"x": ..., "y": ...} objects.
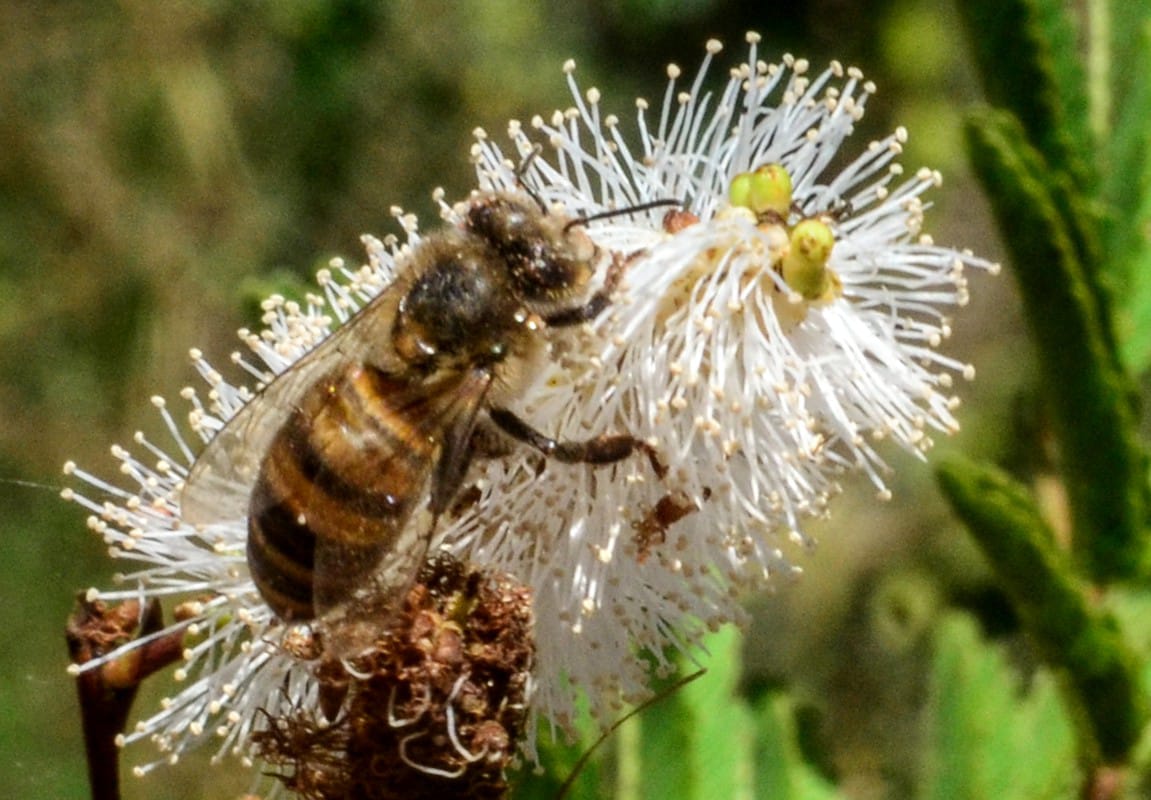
[
  {"x": 805, "y": 265},
  {"x": 767, "y": 191}
]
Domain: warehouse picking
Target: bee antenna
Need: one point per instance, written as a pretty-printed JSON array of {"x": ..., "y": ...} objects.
[
  {"x": 29, "y": 484},
  {"x": 579, "y": 765},
  {"x": 522, "y": 169},
  {"x": 620, "y": 212}
]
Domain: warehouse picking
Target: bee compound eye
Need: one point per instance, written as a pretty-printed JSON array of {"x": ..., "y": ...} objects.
[
  {"x": 498, "y": 219},
  {"x": 553, "y": 277}
]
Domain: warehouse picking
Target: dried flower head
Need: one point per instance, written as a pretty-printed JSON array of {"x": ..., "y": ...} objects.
[{"x": 436, "y": 707}]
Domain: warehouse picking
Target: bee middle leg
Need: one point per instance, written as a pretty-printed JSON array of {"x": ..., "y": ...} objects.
[{"x": 605, "y": 449}]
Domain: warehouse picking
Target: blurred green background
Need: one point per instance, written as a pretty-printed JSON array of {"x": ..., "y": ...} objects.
[{"x": 164, "y": 165}]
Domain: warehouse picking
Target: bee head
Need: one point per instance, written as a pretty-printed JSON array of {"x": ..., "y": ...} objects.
[{"x": 548, "y": 260}]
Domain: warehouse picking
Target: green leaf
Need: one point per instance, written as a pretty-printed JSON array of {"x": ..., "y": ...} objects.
[
  {"x": 698, "y": 742},
  {"x": 1132, "y": 610},
  {"x": 780, "y": 771},
  {"x": 667, "y": 756},
  {"x": 988, "y": 739},
  {"x": 1095, "y": 421},
  {"x": 559, "y": 761},
  {"x": 1128, "y": 196},
  {"x": 1125, "y": 26},
  {"x": 695, "y": 741},
  {"x": 1027, "y": 58},
  {"x": 709, "y": 741},
  {"x": 1103, "y": 689}
]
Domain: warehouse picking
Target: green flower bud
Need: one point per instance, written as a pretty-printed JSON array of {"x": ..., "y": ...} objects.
[
  {"x": 767, "y": 191},
  {"x": 805, "y": 265}
]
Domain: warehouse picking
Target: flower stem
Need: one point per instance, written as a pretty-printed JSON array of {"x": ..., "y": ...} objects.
[
  {"x": 106, "y": 693},
  {"x": 1103, "y": 462},
  {"x": 1073, "y": 636}
]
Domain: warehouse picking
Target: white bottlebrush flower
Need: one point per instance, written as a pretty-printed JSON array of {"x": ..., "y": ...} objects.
[{"x": 756, "y": 390}]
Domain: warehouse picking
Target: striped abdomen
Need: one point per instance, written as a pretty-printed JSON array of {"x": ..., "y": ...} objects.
[{"x": 335, "y": 490}]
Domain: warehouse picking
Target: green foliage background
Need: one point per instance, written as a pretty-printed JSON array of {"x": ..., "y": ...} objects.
[{"x": 165, "y": 165}]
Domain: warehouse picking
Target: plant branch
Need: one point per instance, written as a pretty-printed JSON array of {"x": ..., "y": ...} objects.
[{"x": 107, "y": 691}]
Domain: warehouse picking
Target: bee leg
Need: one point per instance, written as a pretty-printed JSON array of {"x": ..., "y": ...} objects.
[
  {"x": 598, "y": 301},
  {"x": 333, "y": 683},
  {"x": 605, "y": 449},
  {"x": 489, "y": 442}
]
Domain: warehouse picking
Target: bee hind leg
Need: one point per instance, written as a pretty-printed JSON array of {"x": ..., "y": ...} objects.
[{"x": 606, "y": 449}]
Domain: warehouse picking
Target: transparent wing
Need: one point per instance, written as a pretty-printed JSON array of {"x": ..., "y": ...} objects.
[
  {"x": 221, "y": 479},
  {"x": 352, "y": 623}
]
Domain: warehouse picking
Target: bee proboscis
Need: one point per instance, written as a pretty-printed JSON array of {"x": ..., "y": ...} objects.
[{"x": 343, "y": 464}]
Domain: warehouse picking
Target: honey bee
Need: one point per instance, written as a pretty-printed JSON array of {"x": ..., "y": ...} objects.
[{"x": 343, "y": 464}]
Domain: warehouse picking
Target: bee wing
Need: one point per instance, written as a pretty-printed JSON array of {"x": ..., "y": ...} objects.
[
  {"x": 446, "y": 410},
  {"x": 220, "y": 482},
  {"x": 353, "y": 624}
]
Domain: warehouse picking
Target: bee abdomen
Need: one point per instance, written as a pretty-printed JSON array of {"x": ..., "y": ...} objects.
[
  {"x": 281, "y": 553},
  {"x": 281, "y": 558},
  {"x": 334, "y": 491}
]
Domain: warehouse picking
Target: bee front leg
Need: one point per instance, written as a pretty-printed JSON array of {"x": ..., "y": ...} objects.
[
  {"x": 598, "y": 301},
  {"x": 489, "y": 442},
  {"x": 605, "y": 449}
]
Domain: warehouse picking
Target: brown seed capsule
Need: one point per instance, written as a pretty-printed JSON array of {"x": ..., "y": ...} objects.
[{"x": 436, "y": 708}]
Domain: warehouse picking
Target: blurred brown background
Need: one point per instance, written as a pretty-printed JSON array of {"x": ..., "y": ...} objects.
[{"x": 164, "y": 165}]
